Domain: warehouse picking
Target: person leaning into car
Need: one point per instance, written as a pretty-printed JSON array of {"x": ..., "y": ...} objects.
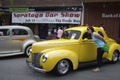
[{"x": 99, "y": 41}]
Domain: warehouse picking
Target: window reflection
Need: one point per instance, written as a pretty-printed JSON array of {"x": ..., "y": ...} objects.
[{"x": 71, "y": 34}]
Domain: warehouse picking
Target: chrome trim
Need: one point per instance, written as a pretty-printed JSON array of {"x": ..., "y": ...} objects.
[
  {"x": 35, "y": 59},
  {"x": 11, "y": 54},
  {"x": 33, "y": 67}
]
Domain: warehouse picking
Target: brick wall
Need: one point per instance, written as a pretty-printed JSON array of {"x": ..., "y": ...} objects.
[{"x": 93, "y": 16}]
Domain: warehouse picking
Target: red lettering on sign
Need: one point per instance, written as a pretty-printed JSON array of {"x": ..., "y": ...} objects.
[
  {"x": 65, "y": 14},
  {"x": 36, "y": 15},
  {"x": 48, "y": 14}
]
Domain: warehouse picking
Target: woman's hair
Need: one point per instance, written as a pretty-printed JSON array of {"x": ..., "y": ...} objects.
[{"x": 91, "y": 28}]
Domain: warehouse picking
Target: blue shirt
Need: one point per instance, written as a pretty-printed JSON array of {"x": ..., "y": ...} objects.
[{"x": 98, "y": 42}]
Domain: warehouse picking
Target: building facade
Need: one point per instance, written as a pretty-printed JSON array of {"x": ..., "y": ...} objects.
[
  {"x": 91, "y": 12},
  {"x": 42, "y": 15},
  {"x": 106, "y": 14}
]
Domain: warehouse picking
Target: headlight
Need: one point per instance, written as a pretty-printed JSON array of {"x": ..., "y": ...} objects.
[{"x": 44, "y": 58}]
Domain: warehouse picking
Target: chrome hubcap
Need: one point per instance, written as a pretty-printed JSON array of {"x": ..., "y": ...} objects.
[
  {"x": 115, "y": 56},
  {"x": 63, "y": 66}
]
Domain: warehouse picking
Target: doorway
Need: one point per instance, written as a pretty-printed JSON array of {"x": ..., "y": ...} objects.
[{"x": 43, "y": 31}]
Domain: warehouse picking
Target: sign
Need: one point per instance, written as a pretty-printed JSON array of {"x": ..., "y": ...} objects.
[
  {"x": 111, "y": 15},
  {"x": 1, "y": 13},
  {"x": 65, "y": 17},
  {"x": 18, "y": 9}
]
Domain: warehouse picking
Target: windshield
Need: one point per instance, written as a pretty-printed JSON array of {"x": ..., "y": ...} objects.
[{"x": 71, "y": 34}]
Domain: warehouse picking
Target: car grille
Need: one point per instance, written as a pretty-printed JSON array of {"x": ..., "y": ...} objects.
[{"x": 36, "y": 59}]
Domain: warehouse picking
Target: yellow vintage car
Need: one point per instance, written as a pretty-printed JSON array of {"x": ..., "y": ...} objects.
[{"x": 75, "y": 47}]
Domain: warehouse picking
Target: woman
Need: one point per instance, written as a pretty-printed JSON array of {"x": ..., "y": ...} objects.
[
  {"x": 99, "y": 41},
  {"x": 59, "y": 33}
]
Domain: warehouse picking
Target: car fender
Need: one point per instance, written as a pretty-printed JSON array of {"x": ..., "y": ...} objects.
[
  {"x": 55, "y": 56},
  {"x": 113, "y": 48},
  {"x": 27, "y": 43}
]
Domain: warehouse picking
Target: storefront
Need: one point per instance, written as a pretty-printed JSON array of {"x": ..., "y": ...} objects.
[
  {"x": 105, "y": 13},
  {"x": 43, "y": 17},
  {"x": 47, "y": 18}
]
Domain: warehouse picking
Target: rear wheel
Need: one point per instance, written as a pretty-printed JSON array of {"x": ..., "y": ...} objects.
[
  {"x": 115, "y": 57},
  {"x": 62, "y": 67},
  {"x": 28, "y": 50}
]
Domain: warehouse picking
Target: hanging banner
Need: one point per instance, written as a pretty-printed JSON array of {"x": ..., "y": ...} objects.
[{"x": 68, "y": 17}]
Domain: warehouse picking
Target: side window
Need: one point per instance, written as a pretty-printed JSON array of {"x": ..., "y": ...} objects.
[
  {"x": 4, "y": 32},
  {"x": 99, "y": 32},
  {"x": 19, "y": 32},
  {"x": 86, "y": 35},
  {"x": 74, "y": 34}
]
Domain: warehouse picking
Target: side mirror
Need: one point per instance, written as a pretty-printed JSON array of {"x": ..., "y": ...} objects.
[{"x": 85, "y": 39}]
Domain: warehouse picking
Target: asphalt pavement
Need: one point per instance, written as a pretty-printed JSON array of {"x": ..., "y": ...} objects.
[{"x": 15, "y": 68}]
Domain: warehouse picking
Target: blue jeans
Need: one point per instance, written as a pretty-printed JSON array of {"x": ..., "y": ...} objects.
[{"x": 99, "y": 56}]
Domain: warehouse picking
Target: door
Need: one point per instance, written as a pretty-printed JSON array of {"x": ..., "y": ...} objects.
[
  {"x": 5, "y": 41},
  {"x": 118, "y": 39},
  {"x": 88, "y": 49},
  {"x": 19, "y": 36},
  {"x": 43, "y": 31}
]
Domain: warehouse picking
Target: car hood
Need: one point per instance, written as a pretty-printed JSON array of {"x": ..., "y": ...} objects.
[{"x": 40, "y": 46}]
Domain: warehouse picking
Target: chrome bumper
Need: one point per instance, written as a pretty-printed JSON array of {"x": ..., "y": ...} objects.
[{"x": 33, "y": 67}]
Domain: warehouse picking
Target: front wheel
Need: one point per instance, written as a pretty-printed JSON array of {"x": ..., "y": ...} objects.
[
  {"x": 62, "y": 67},
  {"x": 28, "y": 50},
  {"x": 115, "y": 57}
]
